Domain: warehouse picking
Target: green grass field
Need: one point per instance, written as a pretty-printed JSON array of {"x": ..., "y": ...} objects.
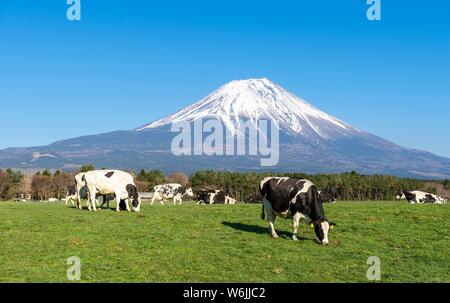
[{"x": 191, "y": 243}]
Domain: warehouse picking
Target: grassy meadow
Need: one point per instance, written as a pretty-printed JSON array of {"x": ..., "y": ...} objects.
[{"x": 218, "y": 243}]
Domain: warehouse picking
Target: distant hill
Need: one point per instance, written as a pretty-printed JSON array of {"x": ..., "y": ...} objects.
[{"x": 311, "y": 141}]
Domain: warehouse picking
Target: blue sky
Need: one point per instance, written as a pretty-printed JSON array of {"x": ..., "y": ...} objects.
[{"x": 127, "y": 63}]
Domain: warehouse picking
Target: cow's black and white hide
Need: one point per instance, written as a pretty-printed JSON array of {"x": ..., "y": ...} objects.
[
  {"x": 297, "y": 199},
  {"x": 419, "y": 197},
  {"x": 329, "y": 195},
  {"x": 176, "y": 192},
  {"x": 214, "y": 197},
  {"x": 108, "y": 182}
]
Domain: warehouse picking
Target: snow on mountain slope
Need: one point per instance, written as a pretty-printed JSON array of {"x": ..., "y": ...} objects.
[{"x": 261, "y": 99}]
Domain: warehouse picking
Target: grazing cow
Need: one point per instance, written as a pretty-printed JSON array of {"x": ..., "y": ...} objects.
[
  {"x": 419, "y": 197},
  {"x": 119, "y": 183},
  {"x": 328, "y": 195},
  {"x": 297, "y": 199},
  {"x": 77, "y": 192},
  {"x": 71, "y": 195},
  {"x": 171, "y": 191},
  {"x": 214, "y": 197}
]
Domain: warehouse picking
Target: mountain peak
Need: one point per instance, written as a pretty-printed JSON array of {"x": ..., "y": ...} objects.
[{"x": 261, "y": 99}]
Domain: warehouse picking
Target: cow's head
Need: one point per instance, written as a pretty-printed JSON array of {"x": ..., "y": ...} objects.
[
  {"x": 400, "y": 195},
  {"x": 322, "y": 229},
  {"x": 190, "y": 192},
  {"x": 134, "y": 195},
  {"x": 329, "y": 195}
]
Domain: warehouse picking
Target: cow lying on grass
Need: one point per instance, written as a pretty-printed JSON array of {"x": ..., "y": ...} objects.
[
  {"x": 419, "y": 197},
  {"x": 329, "y": 195},
  {"x": 214, "y": 197},
  {"x": 296, "y": 199}
]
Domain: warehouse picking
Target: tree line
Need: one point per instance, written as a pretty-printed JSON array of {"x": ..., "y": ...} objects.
[
  {"x": 350, "y": 186},
  {"x": 241, "y": 186}
]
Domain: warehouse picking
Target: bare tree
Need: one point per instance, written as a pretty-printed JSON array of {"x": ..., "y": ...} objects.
[
  {"x": 179, "y": 178},
  {"x": 142, "y": 186},
  {"x": 4, "y": 183},
  {"x": 24, "y": 188},
  {"x": 61, "y": 183},
  {"x": 41, "y": 186}
]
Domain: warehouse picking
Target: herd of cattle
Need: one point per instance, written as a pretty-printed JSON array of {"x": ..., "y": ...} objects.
[
  {"x": 293, "y": 198},
  {"x": 108, "y": 183}
]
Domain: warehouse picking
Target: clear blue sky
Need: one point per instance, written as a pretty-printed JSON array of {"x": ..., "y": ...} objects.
[{"x": 130, "y": 62}]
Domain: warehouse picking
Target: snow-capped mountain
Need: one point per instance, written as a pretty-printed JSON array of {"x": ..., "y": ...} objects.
[
  {"x": 261, "y": 99},
  {"x": 311, "y": 141}
]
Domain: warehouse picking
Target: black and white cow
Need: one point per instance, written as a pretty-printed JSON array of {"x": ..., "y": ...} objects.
[
  {"x": 329, "y": 195},
  {"x": 107, "y": 182},
  {"x": 171, "y": 191},
  {"x": 71, "y": 195},
  {"x": 297, "y": 199},
  {"x": 214, "y": 197},
  {"x": 419, "y": 197}
]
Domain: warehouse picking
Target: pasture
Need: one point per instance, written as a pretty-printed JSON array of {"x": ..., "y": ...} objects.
[{"x": 218, "y": 243}]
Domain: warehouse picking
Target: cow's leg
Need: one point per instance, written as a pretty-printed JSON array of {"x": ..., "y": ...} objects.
[
  {"x": 127, "y": 203},
  {"x": 156, "y": 196},
  {"x": 79, "y": 200},
  {"x": 296, "y": 225},
  {"x": 105, "y": 201},
  {"x": 93, "y": 199},
  {"x": 117, "y": 203},
  {"x": 270, "y": 218},
  {"x": 88, "y": 204}
]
